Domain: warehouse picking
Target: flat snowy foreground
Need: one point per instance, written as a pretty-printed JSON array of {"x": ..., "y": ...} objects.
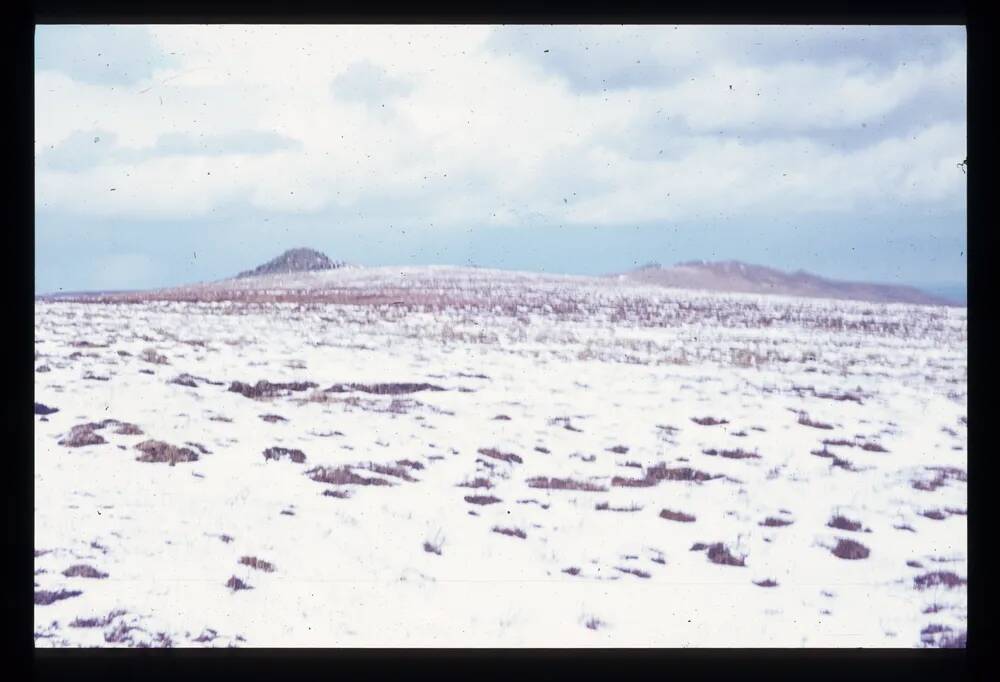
[{"x": 578, "y": 465}]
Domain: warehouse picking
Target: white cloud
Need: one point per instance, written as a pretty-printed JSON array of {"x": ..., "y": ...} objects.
[{"x": 441, "y": 126}]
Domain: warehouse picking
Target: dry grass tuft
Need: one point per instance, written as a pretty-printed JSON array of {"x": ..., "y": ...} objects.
[
  {"x": 935, "y": 578},
  {"x": 45, "y": 409},
  {"x": 259, "y": 564},
  {"x": 476, "y": 483},
  {"x": 481, "y": 499},
  {"x": 81, "y": 435},
  {"x": 276, "y": 453},
  {"x": 639, "y": 573},
  {"x": 46, "y": 597},
  {"x": 804, "y": 420},
  {"x": 156, "y": 451},
  {"x": 150, "y": 355},
  {"x": 661, "y": 472},
  {"x": 493, "y": 453},
  {"x": 384, "y": 389},
  {"x": 512, "y": 532},
  {"x": 775, "y": 522},
  {"x": 235, "y": 584},
  {"x": 843, "y": 523},
  {"x": 564, "y": 484},
  {"x": 708, "y": 421},
  {"x": 718, "y": 553},
  {"x": 266, "y": 389},
  {"x": 766, "y": 583},
  {"x": 389, "y": 470},
  {"x": 605, "y": 506},
  {"x": 96, "y": 622},
  {"x": 738, "y": 453},
  {"x": 83, "y": 571},
  {"x": 851, "y": 550},
  {"x": 342, "y": 476},
  {"x": 677, "y": 516},
  {"x": 339, "y": 494},
  {"x": 873, "y": 447}
]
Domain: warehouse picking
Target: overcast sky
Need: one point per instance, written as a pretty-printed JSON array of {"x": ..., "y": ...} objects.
[{"x": 170, "y": 154}]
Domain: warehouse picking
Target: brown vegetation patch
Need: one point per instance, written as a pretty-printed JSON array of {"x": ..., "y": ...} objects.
[
  {"x": 718, "y": 553},
  {"x": 96, "y": 622},
  {"x": 481, "y": 499},
  {"x": 512, "y": 532},
  {"x": 572, "y": 570},
  {"x": 501, "y": 418},
  {"x": 935, "y": 578},
  {"x": 843, "y": 523},
  {"x": 273, "y": 418},
  {"x": 805, "y": 420},
  {"x": 266, "y": 389},
  {"x": 544, "y": 451},
  {"x": 943, "y": 637},
  {"x": 605, "y": 506},
  {"x": 192, "y": 381},
  {"x": 619, "y": 449},
  {"x": 150, "y": 355},
  {"x": 127, "y": 429},
  {"x": 873, "y": 447},
  {"x": 502, "y": 456},
  {"x": 661, "y": 472},
  {"x": 342, "y": 476},
  {"x": 941, "y": 476},
  {"x": 853, "y": 397},
  {"x": 45, "y": 409},
  {"x": 851, "y": 550},
  {"x": 339, "y": 494},
  {"x": 259, "y": 564},
  {"x": 478, "y": 482},
  {"x": 389, "y": 470},
  {"x": 738, "y": 453},
  {"x": 235, "y": 584},
  {"x": 276, "y": 453},
  {"x": 46, "y": 597},
  {"x": 83, "y": 571},
  {"x": 677, "y": 516},
  {"x": 934, "y": 514},
  {"x": 839, "y": 441},
  {"x": 639, "y": 573},
  {"x": 410, "y": 463},
  {"x": 156, "y": 451},
  {"x": 384, "y": 389},
  {"x": 707, "y": 421},
  {"x": 199, "y": 447},
  {"x": 81, "y": 435},
  {"x": 564, "y": 484},
  {"x": 766, "y": 583},
  {"x": 775, "y": 522}
]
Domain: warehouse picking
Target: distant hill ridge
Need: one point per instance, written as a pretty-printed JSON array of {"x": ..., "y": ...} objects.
[
  {"x": 294, "y": 260},
  {"x": 738, "y": 277}
]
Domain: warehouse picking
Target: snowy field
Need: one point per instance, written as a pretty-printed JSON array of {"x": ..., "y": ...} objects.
[{"x": 498, "y": 460}]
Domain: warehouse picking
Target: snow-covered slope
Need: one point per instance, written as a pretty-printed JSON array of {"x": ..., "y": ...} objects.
[{"x": 484, "y": 459}]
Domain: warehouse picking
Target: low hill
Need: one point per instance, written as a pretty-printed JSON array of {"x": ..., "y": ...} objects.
[
  {"x": 293, "y": 260},
  {"x": 737, "y": 277}
]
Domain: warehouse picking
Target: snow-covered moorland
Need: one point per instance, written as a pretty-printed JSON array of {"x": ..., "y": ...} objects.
[{"x": 498, "y": 461}]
